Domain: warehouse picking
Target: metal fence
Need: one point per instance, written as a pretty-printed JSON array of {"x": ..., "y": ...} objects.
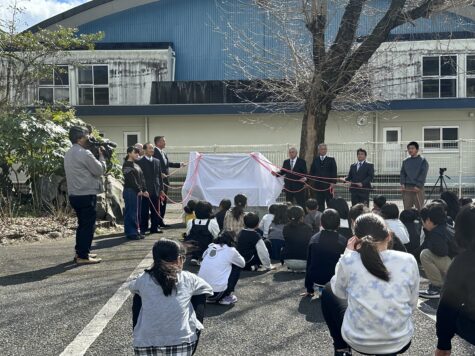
[{"x": 457, "y": 156}]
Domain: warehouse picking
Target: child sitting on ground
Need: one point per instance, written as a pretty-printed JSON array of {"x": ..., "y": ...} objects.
[
  {"x": 266, "y": 221},
  {"x": 224, "y": 206},
  {"x": 324, "y": 252},
  {"x": 378, "y": 202},
  {"x": 410, "y": 219},
  {"x": 221, "y": 268},
  {"x": 390, "y": 214},
  {"x": 276, "y": 236},
  {"x": 251, "y": 246},
  {"x": 297, "y": 235},
  {"x": 200, "y": 232},
  {"x": 189, "y": 211},
  {"x": 168, "y": 304},
  {"x": 313, "y": 215}
]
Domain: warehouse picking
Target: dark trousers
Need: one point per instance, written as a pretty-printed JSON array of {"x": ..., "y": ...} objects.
[
  {"x": 333, "y": 309},
  {"x": 149, "y": 208},
  {"x": 299, "y": 198},
  {"x": 322, "y": 198},
  {"x": 232, "y": 281},
  {"x": 85, "y": 208},
  {"x": 131, "y": 212},
  {"x": 276, "y": 249},
  {"x": 359, "y": 196}
]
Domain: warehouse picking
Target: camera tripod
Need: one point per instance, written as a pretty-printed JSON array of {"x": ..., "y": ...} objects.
[{"x": 439, "y": 183}]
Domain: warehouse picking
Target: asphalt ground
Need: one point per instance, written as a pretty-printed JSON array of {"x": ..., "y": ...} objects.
[{"x": 46, "y": 301}]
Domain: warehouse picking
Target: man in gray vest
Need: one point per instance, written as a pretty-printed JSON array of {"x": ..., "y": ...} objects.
[{"x": 83, "y": 177}]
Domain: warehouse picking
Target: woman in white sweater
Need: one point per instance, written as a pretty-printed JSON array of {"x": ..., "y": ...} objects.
[{"x": 369, "y": 302}]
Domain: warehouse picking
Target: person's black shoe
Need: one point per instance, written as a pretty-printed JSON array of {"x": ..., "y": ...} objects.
[
  {"x": 343, "y": 353},
  {"x": 158, "y": 231},
  {"x": 432, "y": 292},
  {"x": 165, "y": 225},
  {"x": 141, "y": 236},
  {"x": 133, "y": 237}
]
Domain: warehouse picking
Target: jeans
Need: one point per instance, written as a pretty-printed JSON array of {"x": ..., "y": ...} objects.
[
  {"x": 131, "y": 212},
  {"x": 276, "y": 249},
  {"x": 85, "y": 208}
]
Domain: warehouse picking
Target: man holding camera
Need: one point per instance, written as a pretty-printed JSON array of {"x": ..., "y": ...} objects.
[
  {"x": 83, "y": 177},
  {"x": 413, "y": 177}
]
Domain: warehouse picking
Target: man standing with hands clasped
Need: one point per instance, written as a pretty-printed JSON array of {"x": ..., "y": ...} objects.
[
  {"x": 324, "y": 169},
  {"x": 165, "y": 164},
  {"x": 413, "y": 177},
  {"x": 360, "y": 176},
  {"x": 294, "y": 184}
]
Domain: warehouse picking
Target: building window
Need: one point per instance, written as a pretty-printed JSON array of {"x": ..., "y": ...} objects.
[
  {"x": 441, "y": 138},
  {"x": 93, "y": 85},
  {"x": 439, "y": 77},
  {"x": 55, "y": 87},
  {"x": 470, "y": 72},
  {"x": 131, "y": 138}
]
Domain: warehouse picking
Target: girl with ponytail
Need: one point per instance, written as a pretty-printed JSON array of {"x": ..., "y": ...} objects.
[
  {"x": 234, "y": 218},
  {"x": 369, "y": 301},
  {"x": 168, "y": 304}
]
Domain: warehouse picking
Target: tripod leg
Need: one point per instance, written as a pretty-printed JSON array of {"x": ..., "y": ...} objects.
[{"x": 433, "y": 189}]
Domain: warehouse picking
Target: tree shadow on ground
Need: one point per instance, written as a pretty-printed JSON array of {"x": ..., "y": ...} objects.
[
  {"x": 111, "y": 242},
  {"x": 38, "y": 275},
  {"x": 311, "y": 309},
  {"x": 214, "y": 309},
  {"x": 287, "y": 276}
]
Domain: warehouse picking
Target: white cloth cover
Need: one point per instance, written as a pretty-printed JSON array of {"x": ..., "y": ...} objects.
[{"x": 213, "y": 177}]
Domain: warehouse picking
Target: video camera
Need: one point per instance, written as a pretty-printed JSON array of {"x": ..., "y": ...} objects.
[
  {"x": 95, "y": 145},
  {"x": 442, "y": 171}
]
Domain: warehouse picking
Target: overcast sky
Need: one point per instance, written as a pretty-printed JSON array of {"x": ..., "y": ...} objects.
[{"x": 35, "y": 11}]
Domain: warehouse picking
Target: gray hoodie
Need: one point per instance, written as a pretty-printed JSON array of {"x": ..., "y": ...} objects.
[{"x": 414, "y": 171}]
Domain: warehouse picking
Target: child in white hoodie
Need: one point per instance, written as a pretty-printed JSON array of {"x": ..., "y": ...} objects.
[{"x": 221, "y": 268}]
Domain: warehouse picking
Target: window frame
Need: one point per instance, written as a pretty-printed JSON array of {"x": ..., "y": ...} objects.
[
  {"x": 440, "y": 77},
  {"x": 127, "y": 133},
  {"x": 92, "y": 85},
  {"x": 468, "y": 76},
  {"x": 54, "y": 86},
  {"x": 441, "y": 133},
  {"x": 386, "y": 129}
]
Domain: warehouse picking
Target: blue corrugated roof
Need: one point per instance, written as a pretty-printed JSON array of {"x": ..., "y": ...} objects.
[{"x": 203, "y": 51}]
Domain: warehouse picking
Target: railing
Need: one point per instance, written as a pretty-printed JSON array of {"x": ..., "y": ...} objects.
[{"x": 457, "y": 156}]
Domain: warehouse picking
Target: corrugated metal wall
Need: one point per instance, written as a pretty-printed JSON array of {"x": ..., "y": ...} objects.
[{"x": 203, "y": 51}]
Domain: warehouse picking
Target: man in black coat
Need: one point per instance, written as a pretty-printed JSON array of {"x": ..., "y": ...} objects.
[
  {"x": 360, "y": 176},
  {"x": 160, "y": 154},
  {"x": 293, "y": 183},
  {"x": 152, "y": 172},
  {"x": 325, "y": 170}
]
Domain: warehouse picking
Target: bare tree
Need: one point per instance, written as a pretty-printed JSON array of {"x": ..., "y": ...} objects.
[
  {"x": 26, "y": 57},
  {"x": 302, "y": 67}
]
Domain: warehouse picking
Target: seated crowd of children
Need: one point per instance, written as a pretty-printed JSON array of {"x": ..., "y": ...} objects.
[{"x": 362, "y": 264}]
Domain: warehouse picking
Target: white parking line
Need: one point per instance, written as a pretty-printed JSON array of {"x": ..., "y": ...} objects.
[{"x": 91, "y": 331}]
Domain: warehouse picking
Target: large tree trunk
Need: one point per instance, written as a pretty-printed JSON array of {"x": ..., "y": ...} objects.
[{"x": 313, "y": 129}]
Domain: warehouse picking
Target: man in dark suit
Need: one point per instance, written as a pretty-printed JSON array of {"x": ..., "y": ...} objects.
[
  {"x": 360, "y": 176},
  {"x": 324, "y": 169},
  {"x": 294, "y": 184},
  {"x": 153, "y": 179},
  {"x": 160, "y": 154}
]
